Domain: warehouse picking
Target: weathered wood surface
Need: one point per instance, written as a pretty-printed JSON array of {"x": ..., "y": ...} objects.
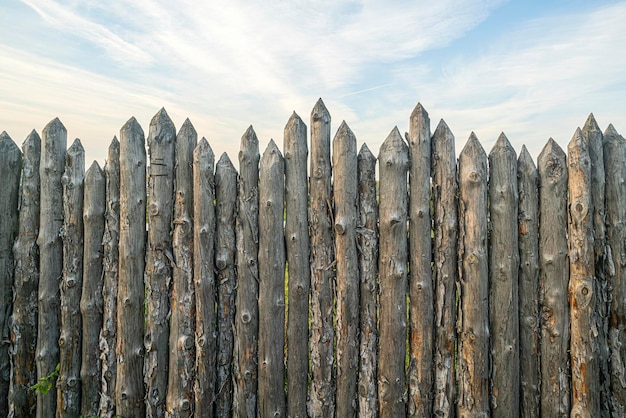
[
  {"x": 110, "y": 243},
  {"x": 553, "y": 281},
  {"x": 445, "y": 203},
  {"x": 503, "y": 279},
  {"x": 367, "y": 236},
  {"x": 51, "y": 168},
  {"x": 247, "y": 318},
  {"x": 271, "y": 392},
  {"x": 614, "y": 146},
  {"x": 321, "y": 333},
  {"x": 584, "y": 349},
  {"x": 592, "y": 135},
  {"x": 159, "y": 260},
  {"x": 10, "y": 171},
  {"x": 299, "y": 279},
  {"x": 129, "y": 385},
  {"x": 182, "y": 344},
  {"x": 473, "y": 313},
  {"x": 22, "y": 400},
  {"x": 529, "y": 327},
  {"x": 91, "y": 303},
  {"x": 225, "y": 251},
  {"x": 393, "y": 163},
  {"x": 421, "y": 309},
  {"x": 204, "y": 278},
  {"x": 70, "y": 338},
  {"x": 347, "y": 329}
]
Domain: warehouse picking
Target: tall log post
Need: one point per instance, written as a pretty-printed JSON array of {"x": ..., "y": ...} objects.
[
  {"x": 297, "y": 245},
  {"x": 91, "y": 302},
  {"x": 421, "y": 309},
  {"x": 247, "y": 317},
  {"x": 51, "y": 168},
  {"x": 529, "y": 328},
  {"x": 614, "y": 146},
  {"x": 393, "y": 163},
  {"x": 345, "y": 199},
  {"x": 367, "y": 236},
  {"x": 322, "y": 336},
  {"x": 159, "y": 260},
  {"x": 473, "y": 314},
  {"x": 22, "y": 400},
  {"x": 584, "y": 349},
  {"x": 592, "y": 135},
  {"x": 503, "y": 279},
  {"x": 129, "y": 385},
  {"x": 110, "y": 262},
  {"x": 204, "y": 277},
  {"x": 70, "y": 339},
  {"x": 272, "y": 402},
  {"x": 182, "y": 359},
  {"x": 445, "y": 203},
  {"x": 225, "y": 251},
  {"x": 10, "y": 171},
  {"x": 553, "y": 281}
]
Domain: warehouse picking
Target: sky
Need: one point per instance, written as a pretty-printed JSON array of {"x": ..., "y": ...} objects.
[{"x": 530, "y": 69}]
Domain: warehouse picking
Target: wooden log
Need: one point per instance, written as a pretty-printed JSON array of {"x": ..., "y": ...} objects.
[
  {"x": 10, "y": 171},
  {"x": 225, "y": 251},
  {"x": 393, "y": 161},
  {"x": 159, "y": 260},
  {"x": 345, "y": 202},
  {"x": 614, "y": 147},
  {"x": 297, "y": 246},
  {"x": 22, "y": 399},
  {"x": 70, "y": 338},
  {"x": 553, "y": 281},
  {"x": 91, "y": 302},
  {"x": 110, "y": 242},
  {"x": 182, "y": 359},
  {"x": 473, "y": 314},
  {"x": 52, "y": 165},
  {"x": 129, "y": 385},
  {"x": 247, "y": 316},
  {"x": 529, "y": 328},
  {"x": 271, "y": 392},
  {"x": 367, "y": 235},
  {"x": 445, "y": 203},
  {"x": 582, "y": 296},
  {"x": 592, "y": 135},
  {"x": 204, "y": 278},
  {"x": 503, "y": 279},
  {"x": 421, "y": 309},
  {"x": 321, "y": 334}
]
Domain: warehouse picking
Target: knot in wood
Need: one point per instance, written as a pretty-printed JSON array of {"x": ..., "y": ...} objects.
[
  {"x": 185, "y": 405},
  {"x": 473, "y": 176},
  {"x": 246, "y": 317},
  {"x": 153, "y": 209}
]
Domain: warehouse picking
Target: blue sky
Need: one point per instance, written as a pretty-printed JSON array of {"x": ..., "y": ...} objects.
[{"x": 533, "y": 69}]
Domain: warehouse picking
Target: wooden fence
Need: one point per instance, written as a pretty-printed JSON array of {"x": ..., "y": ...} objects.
[{"x": 482, "y": 286}]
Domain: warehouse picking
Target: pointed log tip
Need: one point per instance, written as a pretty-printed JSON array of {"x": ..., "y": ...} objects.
[
  {"x": 94, "y": 169},
  {"x": 225, "y": 161},
  {"x": 249, "y": 137},
  {"x": 115, "y": 143},
  {"x": 394, "y": 141},
  {"x": 525, "y": 159},
  {"x": 203, "y": 148},
  {"x": 442, "y": 128},
  {"x": 187, "y": 129},
  {"x": 577, "y": 138},
  {"x": 294, "y": 119},
  {"x": 610, "y": 130},
  {"x": 365, "y": 151},
  {"x": 4, "y": 136},
  {"x": 55, "y": 124},
  {"x": 591, "y": 124},
  {"x": 551, "y": 148},
  {"x": 33, "y": 136},
  {"x": 272, "y": 151},
  {"x": 344, "y": 130},
  {"x": 502, "y": 143},
  {"x": 473, "y": 145},
  {"x": 161, "y": 116},
  {"x": 419, "y": 111},
  {"x": 320, "y": 111},
  {"x": 76, "y": 147}
]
